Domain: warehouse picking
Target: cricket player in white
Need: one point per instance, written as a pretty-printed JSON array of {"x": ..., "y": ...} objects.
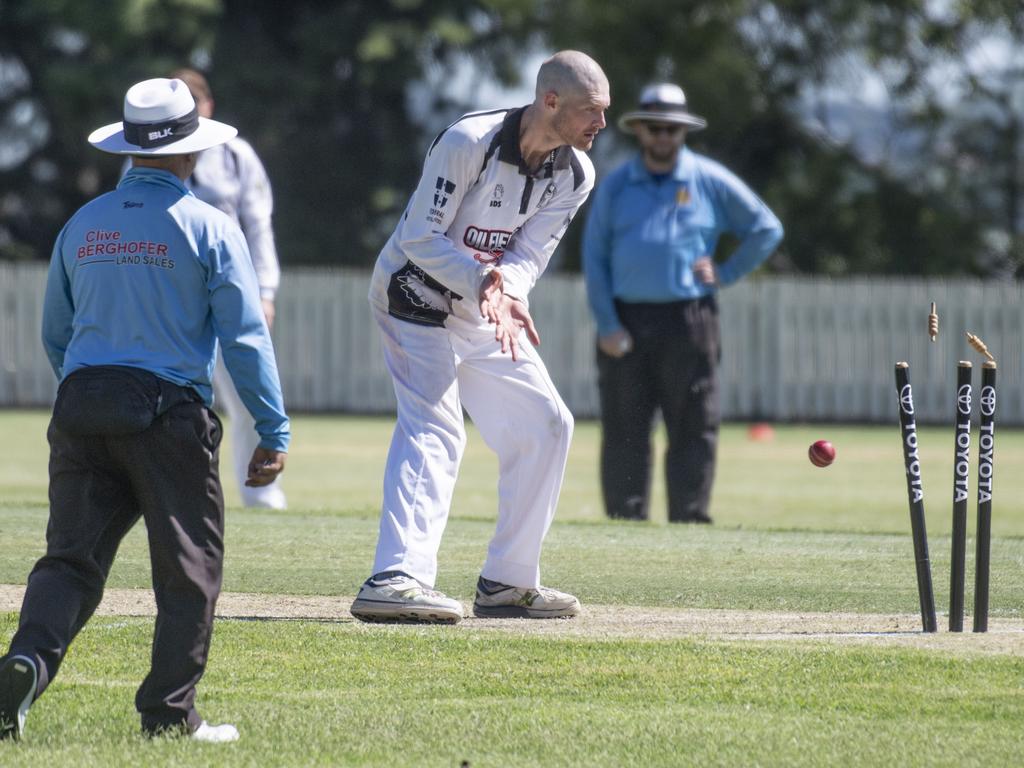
[{"x": 450, "y": 294}]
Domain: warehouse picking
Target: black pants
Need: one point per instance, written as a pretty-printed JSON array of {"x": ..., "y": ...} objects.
[
  {"x": 99, "y": 487},
  {"x": 673, "y": 367}
]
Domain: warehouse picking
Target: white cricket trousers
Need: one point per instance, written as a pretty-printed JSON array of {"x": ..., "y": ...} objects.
[
  {"x": 244, "y": 440},
  {"x": 437, "y": 372}
]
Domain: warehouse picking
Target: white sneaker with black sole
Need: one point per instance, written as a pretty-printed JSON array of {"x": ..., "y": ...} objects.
[
  {"x": 500, "y": 601},
  {"x": 18, "y": 679},
  {"x": 394, "y": 597}
]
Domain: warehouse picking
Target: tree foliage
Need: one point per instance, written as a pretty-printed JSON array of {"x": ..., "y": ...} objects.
[
  {"x": 64, "y": 68},
  {"x": 775, "y": 79},
  {"x": 321, "y": 89},
  {"x": 328, "y": 99},
  {"x": 876, "y": 129}
]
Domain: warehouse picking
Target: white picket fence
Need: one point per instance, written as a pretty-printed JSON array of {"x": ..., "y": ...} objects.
[{"x": 794, "y": 349}]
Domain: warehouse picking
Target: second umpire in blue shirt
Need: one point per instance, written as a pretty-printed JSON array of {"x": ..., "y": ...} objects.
[{"x": 651, "y": 280}]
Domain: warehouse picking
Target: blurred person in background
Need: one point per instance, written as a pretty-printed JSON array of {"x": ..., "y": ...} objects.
[
  {"x": 144, "y": 283},
  {"x": 231, "y": 178},
  {"x": 648, "y": 250}
]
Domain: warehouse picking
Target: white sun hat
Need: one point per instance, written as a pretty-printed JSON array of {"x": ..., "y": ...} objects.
[
  {"x": 160, "y": 118},
  {"x": 662, "y": 103}
]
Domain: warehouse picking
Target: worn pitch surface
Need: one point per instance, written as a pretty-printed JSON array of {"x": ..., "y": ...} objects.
[{"x": 1005, "y": 636}]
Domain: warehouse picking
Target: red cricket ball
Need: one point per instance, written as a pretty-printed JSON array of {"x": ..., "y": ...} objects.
[{"x": 821, "y": 453}]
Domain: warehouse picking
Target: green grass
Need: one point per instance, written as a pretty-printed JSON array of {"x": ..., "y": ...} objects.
[
  {"x": 789, "y": 537},
  {"x": 338, "y": 694},
  {"x": 335, "y": 465},
  {"x": 325, "y": 553}
]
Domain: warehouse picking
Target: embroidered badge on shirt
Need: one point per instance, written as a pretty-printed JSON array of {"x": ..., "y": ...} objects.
[
  {"x": 443, "y": 188},
  {"x": 683, "y": 195}
]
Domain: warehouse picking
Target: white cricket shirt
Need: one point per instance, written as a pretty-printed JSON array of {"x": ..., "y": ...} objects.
[{"x": 476, "y": 207}]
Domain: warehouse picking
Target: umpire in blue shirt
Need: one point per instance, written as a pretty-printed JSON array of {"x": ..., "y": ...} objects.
[
  {"x": 144, "y": 282},
  {"x": 651, "y": 279}
]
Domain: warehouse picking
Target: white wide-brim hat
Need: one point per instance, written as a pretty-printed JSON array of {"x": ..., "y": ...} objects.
[
  {"x": 160, "y": 118},
  {"x": 662, "y": 103}
]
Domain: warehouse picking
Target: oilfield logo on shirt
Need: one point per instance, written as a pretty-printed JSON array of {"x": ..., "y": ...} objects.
[
  {"x": 109, "y": 247},
  {"x": 491, "y": 241}
]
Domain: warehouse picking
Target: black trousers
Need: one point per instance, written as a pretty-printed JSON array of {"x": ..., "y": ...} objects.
[
  {"x": 673, "y": 367},
  {"x": 99, "y": 487}
]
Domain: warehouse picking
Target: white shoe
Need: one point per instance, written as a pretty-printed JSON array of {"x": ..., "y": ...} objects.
[
  {"x": 394, "y": 597},
  {"x": 18, "y": 678},
  {"x": 215, "y": 734},
  {"x": 264, "y": 497},
  {"x": 500, "y": 601}
]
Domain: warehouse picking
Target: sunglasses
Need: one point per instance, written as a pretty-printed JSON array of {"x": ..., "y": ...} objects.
[{"x": 671, "y": 130}]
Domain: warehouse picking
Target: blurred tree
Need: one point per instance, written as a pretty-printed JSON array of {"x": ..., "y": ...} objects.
[
  {"x": 787, "y": 88},
  {"x": 972, "y": 113},
  {"x": 324, "y": 91},
  {"x": 64, "y": 68},
  {"x": 841, "y": 113}
]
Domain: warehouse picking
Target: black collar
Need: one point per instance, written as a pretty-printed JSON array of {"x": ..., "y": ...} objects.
[{"x": 510, "y": 152}]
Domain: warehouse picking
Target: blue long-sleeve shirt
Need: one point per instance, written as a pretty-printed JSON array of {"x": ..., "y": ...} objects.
[
  {"x": 643, "y": 235},
  {"x": 149, "y": 276}
]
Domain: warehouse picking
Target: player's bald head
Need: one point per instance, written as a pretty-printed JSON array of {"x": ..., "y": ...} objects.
[{"x": 570, "y": 74}]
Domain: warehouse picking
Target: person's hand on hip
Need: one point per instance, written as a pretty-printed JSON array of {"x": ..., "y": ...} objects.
[{"x": 704, "y": 271}]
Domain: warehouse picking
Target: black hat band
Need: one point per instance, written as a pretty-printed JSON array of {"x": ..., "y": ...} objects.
[
  {"x": 149, "y": 135},
  {"x": 662, "y": 106}
]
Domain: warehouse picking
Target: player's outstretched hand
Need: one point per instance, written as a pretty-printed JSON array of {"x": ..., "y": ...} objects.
[
  {"x": 264, "y": 466},
  {"x": 490, "y": 296},
  {"x": 513, "y": 318}
]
